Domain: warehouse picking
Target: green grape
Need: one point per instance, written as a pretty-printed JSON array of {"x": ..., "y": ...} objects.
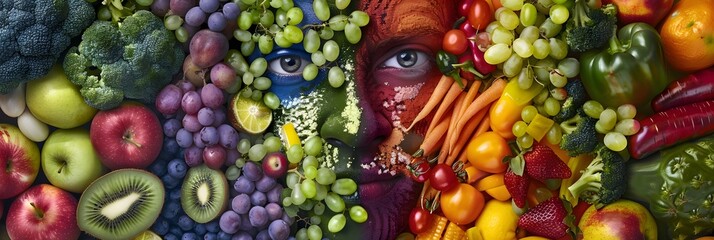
[
  {"x": 628, "y": 127},
  {"x": 314, "y": 232},
  {"x": 301, "y": 234},
  {"x": 173, "y": 22},
  {"x": 307, "y": 206},
  {"x": 104, "y": 13},
  {"x": 626, "y": 111},
  {"x": 558, "y": 48},
  {"x": 513, "y": 65},
  {"x": 248, "y": 78},
  {"x": 552, "y": 106},
  {"x": 541, "y": 109},
  {"x": 276, "y": 3},
  {"x": 322, "y": 10},
  {"x": 514, "y": 5},
  {"x": 508, "y": 19},
  {"x": 502, "y": 35},
  {"x": 310, "y": 72},
  {"x": 272, "y": 143},
  {"x": 257, "y": 152},
  {"x": 287, "y": 201},
  {"x": 242, "y": 35},
  {"x": 287, "y": 5},
  {"x": 292, "y": 179},
  {"x": 530, "y": 34},
  {"x": 615, "y": 141},
  {"x": 262, "y": 83},
  {"x": 267, "y": 18},
  {"x": 542, "y": 69},
  {"x": 593, "y": 108},
  {"x": 528, "y": 14},
  {"x": 334, "y": 202},
  {"x": 570, "y": 67},
  {"x": 255, "y": 15},
  {"x": 525, "y": 141},
  {"x": 245, "y": 21},
  {"x": 522, "y": 48},
  {"x": 525, "y": 78},
  {"x": 248, "y": 2},
  {"x": 325, "y": 176},
  {"x": 336, "y": 223},
  {"x": 246, "y": 92},
  {"x": 243, "y": 146},
  {"x": 548, "y": 29},
  {"x": 318, "y": 58},
  {"x": 313, "y": 146},
  {"x": 240, "y": 162},
  {"x": 541, "y": 48},
  {"x": 181, "y": 34},
  {"x": 497, "y": 53},
  {"x": 310, "y": 161},
  {"x": 353, "y": 33},
  {"x": 608, "y": 118},
  {"x": 559, "y": 94},
  {"x": 144, "y": 3},
  {"x": 310, "y": 172},
  {"x": 519, "y": 128},
  {"x": 360, "y": 18},
  {"x": 247, "y": 48},
  {"x": 294, "y": 15},
  {"x": 321, "y": 192},
  {"x": 554, "y": 134},
  {"x": 344, "y": 186},
  {"x": 528, "y": 113},
  {"x": 281, "y": 18},
  {"x": 295, "y": 153},
  {"x": 281, "y": 40},
  {"x": 338, "y": 22},
  {"x": 293, "y": 34},
  {"x": 492, "y": 26},
  {"x": 336, "y": 77},
  {"x": 265, "y": 44},
  {"x": 297, "y": 195},
  {"x": 543, "y": 6},
  {"x": 271, "y": 100},
  {"x": 319, "y": 208},
  {"x": 232, "y": 173},
  {"x": 316, "y": 220},
  {"x": 557, "y": 78},
  {"x": 559, "y": 14},
  {"x": 601, "y": 128},
  {"x": 311, "y": 41},
  {"x": 358, "y": 214},
  {"x": 237, "y": 61},
  {"x": 326, "y": 33},
  {"x": 331, "y": 50},
  {"x": 307, "y": 187},
  {"x": 559, "y": 1},
  {"x": 342, "y": 4}
]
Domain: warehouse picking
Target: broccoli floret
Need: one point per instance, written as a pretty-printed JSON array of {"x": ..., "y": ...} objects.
[
  {"x": 590, "y": 28},
  {"x": 134, "y": 59},
  {"x": 577, "y": 96},
  {"x": 604, "y": 180},
  {"x": 34, "y": 34},
  {"x": 579, "y": 134}
]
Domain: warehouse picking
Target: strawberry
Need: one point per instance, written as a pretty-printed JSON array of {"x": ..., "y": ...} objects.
[
  {"x": 542, "y": 164},
  {"x": 517, "y": 186},
  {"x": 548, "y": 219}
]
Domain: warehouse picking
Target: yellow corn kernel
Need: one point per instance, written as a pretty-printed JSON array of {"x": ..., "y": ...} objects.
[
  {"x": 435, "y": 231},
  {"x": 454, "y": 232}
]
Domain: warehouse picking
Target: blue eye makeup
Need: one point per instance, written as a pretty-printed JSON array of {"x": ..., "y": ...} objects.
[{"x": 285, "y": 67}]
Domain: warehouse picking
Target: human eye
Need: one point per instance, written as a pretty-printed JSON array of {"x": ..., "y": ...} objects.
[
  {"x": 407, "y": 58},
  {"x": 407, "y": 64},
  {"x": 288, "y": 65}
]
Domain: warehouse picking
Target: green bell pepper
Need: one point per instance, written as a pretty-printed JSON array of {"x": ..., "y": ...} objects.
[
  {"x": 632, "y": 70},
  {"x": 677, "y": 185}
]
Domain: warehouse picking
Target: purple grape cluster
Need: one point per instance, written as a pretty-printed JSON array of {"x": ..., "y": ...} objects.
[
  {"x": 197, "y": 122},
  {"x": 193, "y": 15},
  {"x": 255, "y": 210}
]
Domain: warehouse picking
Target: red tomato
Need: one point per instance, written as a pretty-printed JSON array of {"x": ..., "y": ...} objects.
[
  {"x": 442, "y": 177},
  {"x": 464, "y": 6},
  {"x": 480, "y": 14},
  {"x": 419, "y": 220},
  {"x": 419, "y": 172},
  {"x": 455, "y": 42}
]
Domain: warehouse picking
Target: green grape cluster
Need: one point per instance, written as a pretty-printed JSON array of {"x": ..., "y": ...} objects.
[{"x": 615, "y": 124}]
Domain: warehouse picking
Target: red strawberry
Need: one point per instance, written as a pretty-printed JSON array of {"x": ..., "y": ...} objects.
[
  {"x": 542, "y": 164},
  {"x": 547, "y": 219},
  {"x": 517, "y": 186}
]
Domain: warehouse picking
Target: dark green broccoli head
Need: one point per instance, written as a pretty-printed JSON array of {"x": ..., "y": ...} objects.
[
  {"x": 134, "y": 59},
  {"x": 33, "y": 35},
  {"x": 579, "y": 134},
  {"x": 604, "y": 180},
  {"x": 589, "y": 28},
  {"x": 577, "y": 96}
]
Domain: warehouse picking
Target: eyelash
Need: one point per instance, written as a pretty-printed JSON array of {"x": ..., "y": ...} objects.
[{"x": 393, "y": 62}]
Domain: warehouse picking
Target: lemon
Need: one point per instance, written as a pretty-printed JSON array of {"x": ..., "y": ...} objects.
[
  {"x": 288, "y": 135},
  {"x": 249, "y": 115}
]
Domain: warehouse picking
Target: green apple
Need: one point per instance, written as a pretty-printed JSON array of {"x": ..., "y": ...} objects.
[
  {"x": 69, "y": 160},
  {"x": 54, "y": 100}
]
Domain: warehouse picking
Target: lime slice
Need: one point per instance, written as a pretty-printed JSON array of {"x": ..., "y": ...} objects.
[
  {"x": 289, "y": 135},
  {"x": 249, "y": 115},
  {"x": 147, "y": 235}
]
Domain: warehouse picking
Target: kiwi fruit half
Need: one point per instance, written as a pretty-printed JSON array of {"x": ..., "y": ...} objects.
[
  {"x": 120, "y": 204},
  {"x": 204, "y": 193}
]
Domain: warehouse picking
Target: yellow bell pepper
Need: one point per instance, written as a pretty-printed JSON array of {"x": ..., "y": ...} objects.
[
  {"x": 507, "y": 110},
  {"x": 576, "y": 164}
]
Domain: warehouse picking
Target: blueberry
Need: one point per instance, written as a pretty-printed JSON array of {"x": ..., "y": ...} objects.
[
  {"x": 171, "y": 146},
  {"x": 213, "y": 226},
  {"x": 189, "y": 236},
  {"x": 171, "y": 210},
  {"x": 177, "y": 168},
  {"x": 175, "y": 195},
  {"x": 170, "y": 182},
  {"x": 186, "y": 223},
  {"x": 161, "y": 227},
  {"x": 224, "y": 236},
  {"x": 170, "y": 236},
  {"x": 177, "y": 232},
  {"x": 210, "y": 236},
  {"x": 200, "y": 229},
  {"x": 157, "y": 168}
]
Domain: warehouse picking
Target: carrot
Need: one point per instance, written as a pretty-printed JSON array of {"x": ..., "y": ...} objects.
[
  {"x": 432, "y": 139},
  {"x": 470, "y": 96},
  {"x": 453, "y": 93},
  {"x": 463, "y": 138},
  {"x": 491, "y": 94},
  {"x": 444, "y": 152},
  {"x": 439, "y": 91}
]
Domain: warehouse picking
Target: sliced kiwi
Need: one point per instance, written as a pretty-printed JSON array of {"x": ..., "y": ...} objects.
[
  {"x": 204, "y": 194},
  {"x": 120, "y": 204}
]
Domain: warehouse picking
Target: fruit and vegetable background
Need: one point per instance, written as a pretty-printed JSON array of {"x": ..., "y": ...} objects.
[{"x": 554, "y": 119}]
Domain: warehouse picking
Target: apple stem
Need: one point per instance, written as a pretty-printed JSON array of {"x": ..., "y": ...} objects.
[
  {"x": 38, "y": 212},
  {"x": 62, "y": 167},
  {"x": 127, "y": 138}
]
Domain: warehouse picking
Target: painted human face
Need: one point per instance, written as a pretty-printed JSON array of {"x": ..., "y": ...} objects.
[{"x": 389, "y": 75}]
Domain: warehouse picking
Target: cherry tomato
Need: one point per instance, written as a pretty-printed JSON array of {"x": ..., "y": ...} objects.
[
  {"x": 455, "y": 42},
  {"x": 419, "y": 220},
  {"x": 462, "y": 205},
  {"x": 464, "y": 6},
  {"x": 486, "y": 152},
  {"x": 480, "y": 14},
  {"x": 419, "y": 172},
  {"x": 442, "y": 177}
]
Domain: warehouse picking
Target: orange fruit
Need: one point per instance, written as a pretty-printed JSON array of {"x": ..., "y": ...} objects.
[{"x": 688, "y": 35}]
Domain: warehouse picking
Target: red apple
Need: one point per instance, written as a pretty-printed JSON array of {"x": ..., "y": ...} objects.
[
  {"x": 622, "y": 219},
  {"x": 275, "y": 164},
  {"x": 43, "y": 212},
  {"x": 648, "y": 11},
  {"x": 129, "y": 136},
  {"x": 19, "y": 161}
]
